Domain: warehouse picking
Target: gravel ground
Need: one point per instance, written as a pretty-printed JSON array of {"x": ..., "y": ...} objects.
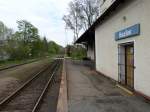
[
  {"x": 7, "y": 85},
  {"x": 25, "y": 100},
  {"x": 12, "y": 78},
  {"x": 92, "y": 92}
]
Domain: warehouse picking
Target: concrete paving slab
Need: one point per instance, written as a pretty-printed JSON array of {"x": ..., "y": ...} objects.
[
  {"x": 62, "y": 105},
  {"x": 89, "y": 91}
]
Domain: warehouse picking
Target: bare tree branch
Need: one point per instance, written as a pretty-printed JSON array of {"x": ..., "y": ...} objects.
[{"x": 81, "y": 15}]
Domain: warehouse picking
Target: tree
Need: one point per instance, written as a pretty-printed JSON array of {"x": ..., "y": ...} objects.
[
  {"x": 72, "y": 20},
  {"x": 16, "y": 48},
  {"x": 3, "y": 29},
  {"x": 25, "y": 43},
  {"x": 81, "y": 15},
  {"x": 45, "y": 44},
  {"x": 30, "y": 37},
  {"x": 28, "y": 31},
  {"x": 90, "y": 12},
  {"x": 53, "y": 48},
  {"x": 37, "y": 48},
  {"x": 5, "y": 33}
]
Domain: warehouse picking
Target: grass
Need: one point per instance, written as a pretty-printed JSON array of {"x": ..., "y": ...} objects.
[
  {"x": 14, "y": 62},
  {"x": 7, "y": 63},
  {"x": 10, "y": 62}
]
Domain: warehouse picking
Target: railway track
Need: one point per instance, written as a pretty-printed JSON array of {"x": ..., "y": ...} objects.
[
  {"x": 28, "y": 97},
  {"x": 50, "y": 99},
  {"x": 16, "y": 65}
]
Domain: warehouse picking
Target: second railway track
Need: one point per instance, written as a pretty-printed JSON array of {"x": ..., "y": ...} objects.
[
  {"x": 16, "y": 65},
  {"x": 27, "y": 98}
]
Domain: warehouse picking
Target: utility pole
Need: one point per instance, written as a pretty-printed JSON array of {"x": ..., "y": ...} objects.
[{"x": 66, "y": 41}]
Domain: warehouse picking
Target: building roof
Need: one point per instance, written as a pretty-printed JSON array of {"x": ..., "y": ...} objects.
[{"x": 88, "y": 34}]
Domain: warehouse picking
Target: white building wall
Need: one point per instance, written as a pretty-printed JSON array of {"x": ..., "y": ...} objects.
[{"x": 107, "y": 48}]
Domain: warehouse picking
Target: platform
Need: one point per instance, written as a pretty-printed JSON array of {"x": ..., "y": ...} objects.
[{"x": 89, "y": 91}]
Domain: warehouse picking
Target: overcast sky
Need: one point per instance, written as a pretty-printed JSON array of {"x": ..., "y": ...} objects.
[{"x": 46, "y": 15}]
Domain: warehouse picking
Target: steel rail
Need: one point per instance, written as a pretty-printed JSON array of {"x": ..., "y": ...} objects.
[
  {"x": 45, "y": 89},
  {"x": 7, "y": 99}
]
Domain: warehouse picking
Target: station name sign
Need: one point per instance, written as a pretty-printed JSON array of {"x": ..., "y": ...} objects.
[{"x": 128, "y": 32}]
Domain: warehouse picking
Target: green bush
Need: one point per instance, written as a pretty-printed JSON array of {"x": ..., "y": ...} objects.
[{"x": 76, "y": 52}]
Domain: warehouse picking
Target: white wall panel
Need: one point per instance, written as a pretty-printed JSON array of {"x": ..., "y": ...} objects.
[{"x": 135, "y": 12}]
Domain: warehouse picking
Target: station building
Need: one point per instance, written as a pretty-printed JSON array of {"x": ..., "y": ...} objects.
[{"x": 121, "y": 38}]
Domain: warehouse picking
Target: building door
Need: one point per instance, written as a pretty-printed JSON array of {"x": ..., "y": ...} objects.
[
  {"x": 126, "y": 64},
  {"x": 129, "y": 51}
]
